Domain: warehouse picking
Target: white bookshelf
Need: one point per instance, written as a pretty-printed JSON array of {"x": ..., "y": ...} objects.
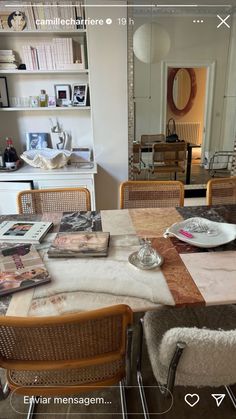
[
  {"x": 39, "y": 32},
  {"x": 25, "y": 83},
  {"x": 47, "y": 109},
  {"x": 37, "y": 72},
  {"x": 17, "y": 121}
]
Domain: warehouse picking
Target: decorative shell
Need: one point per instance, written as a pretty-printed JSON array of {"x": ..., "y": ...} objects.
[{"x": 46, "y": 158}]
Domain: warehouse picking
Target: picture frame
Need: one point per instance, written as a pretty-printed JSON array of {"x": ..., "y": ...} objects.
[
  {"x": 63, "y": 94},
  {"x": 4, "y": 98},
  {"x": 37, "y": 140},
  {"x": 80, "y": 93}
]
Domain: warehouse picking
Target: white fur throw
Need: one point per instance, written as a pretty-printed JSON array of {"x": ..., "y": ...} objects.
[{"x": 210, "y": 336}]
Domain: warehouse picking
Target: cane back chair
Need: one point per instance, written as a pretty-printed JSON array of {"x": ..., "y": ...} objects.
[
  {"x": 39, "y": 201},
  {"x": 221, "y": 191},
  {"x": 151, "y": 194},
  {"x": 169, "y": 158},
  {"x": 67, "y": 354}
]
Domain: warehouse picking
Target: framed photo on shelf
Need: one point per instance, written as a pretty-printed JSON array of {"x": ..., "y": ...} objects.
[
  {"x": 4, "y": 99},
  {"x": 80, "y": 92},
  {"x": 63, "y": 94},
  {"x": 36, "y": 140}
]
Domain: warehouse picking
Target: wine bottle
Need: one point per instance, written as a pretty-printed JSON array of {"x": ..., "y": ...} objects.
[{"x": 10, "y": 155}]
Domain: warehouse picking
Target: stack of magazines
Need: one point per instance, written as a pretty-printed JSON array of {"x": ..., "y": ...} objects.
[{"x": 80, "y": 235}]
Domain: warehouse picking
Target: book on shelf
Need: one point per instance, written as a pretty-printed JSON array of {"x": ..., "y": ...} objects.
[
  {"x": 21, "y": 267},
  {"x": 81, "y": 221},
  {"x": 60, "y": 54},
  {"x": 8, "y": 66},
  {"x": 7, "y": 60},
  {"x": 80, "y": 244},
  {"x": 24, "y": 231}
]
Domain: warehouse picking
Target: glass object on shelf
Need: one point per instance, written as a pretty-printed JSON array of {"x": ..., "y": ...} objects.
[
  {"x": 34, "y": 101},
  {"x": 19, "y": 102},
  {"x": 147, "y": 256},
  {"x": 24, "y": 102},
  {"x": 43, "y": 99},
  {"x": 15, "y": 102}
]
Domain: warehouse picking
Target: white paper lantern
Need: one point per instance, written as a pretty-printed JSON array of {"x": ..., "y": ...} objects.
[{"x": 151, "y": 43}]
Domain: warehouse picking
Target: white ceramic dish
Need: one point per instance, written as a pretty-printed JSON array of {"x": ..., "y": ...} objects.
[
  {"x": 224, "y": 233},
  {"x": 134, "y": 260}
]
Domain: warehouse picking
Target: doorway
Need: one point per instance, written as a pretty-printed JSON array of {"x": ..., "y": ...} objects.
[{"x": 191, "y": 107}]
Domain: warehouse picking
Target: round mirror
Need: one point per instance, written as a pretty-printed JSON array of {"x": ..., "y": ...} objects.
[{"x": 182, "y": 90}]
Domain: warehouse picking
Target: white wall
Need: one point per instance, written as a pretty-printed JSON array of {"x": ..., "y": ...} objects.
[
  {"x": 108, "y": 81},
  {"x": 189, "y": 43}
]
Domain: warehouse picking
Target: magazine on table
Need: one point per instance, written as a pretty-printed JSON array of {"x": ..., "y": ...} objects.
[
  {"x": 21, "y": 267},
  {"x": 81, "y": 221},
  {"x": 80, "y": 244},
  {"x": 24, "y": 231}
]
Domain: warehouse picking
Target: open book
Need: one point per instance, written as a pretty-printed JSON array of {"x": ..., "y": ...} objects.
[
  {"x": 24, "y": 231},
  {"x": 21, "y": 267}
]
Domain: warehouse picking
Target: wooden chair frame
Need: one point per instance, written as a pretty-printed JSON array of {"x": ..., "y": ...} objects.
[
  {"x": 219, "y": 181},
  {"x": 19, "y": 363},
  {"x": 37, "y": 194},
  {"x": 174, "y": 157},
  {"x": 154, "y": 183},
  {"x": 137, "y": 159}
]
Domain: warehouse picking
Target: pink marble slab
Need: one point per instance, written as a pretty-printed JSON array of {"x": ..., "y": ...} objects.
[
  {"x": 152, "y": 222},
  {"x": 214, "y": 273}
]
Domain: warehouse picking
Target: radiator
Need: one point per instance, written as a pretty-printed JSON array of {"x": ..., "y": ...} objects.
[{"x": 189, "y": 132}]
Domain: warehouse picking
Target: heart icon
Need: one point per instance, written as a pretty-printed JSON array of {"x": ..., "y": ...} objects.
[{"x": 192, "y": 399}]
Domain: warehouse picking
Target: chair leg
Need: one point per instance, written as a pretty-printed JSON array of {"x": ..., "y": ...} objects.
[
  {"x": 139, "y": 374},
  {"x": 142, "y": 395},
  {"x": 123, "y": 400},
  {"x": 4, "y": 391},
  {"x": 30, "y": 412},
  {"x": 231, "y": 395}
]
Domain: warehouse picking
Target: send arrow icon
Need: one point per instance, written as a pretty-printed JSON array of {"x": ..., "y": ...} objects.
[{"x": 218, "y": 398}]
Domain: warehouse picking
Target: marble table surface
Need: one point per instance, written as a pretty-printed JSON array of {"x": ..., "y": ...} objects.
[{"x": 189, "y": 275}]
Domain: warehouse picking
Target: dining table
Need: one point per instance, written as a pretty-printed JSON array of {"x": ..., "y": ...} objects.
[{"x": 189, "y": 275}]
